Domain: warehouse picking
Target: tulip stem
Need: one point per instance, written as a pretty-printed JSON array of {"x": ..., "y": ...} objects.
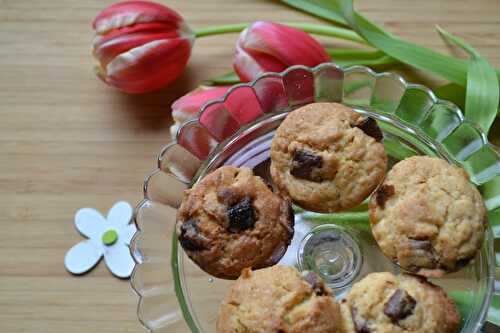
[
  {"x": 351, "y": 57},
  {"x": 317, "y": 29}
]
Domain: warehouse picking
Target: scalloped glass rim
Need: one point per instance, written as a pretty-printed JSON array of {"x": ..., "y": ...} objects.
[{"x": 404, "y": 119}]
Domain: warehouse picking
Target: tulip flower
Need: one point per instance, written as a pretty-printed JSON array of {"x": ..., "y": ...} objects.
[
  {"x": 187, "y": 107},
  {"x": 273, "y": 47},
  {"x": 141, "y": 46}
]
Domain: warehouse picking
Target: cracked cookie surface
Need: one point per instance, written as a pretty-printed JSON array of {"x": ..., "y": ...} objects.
[
  {"x": 385, "y": 303},
  {"x": 278, "y": 299},
  {"x": 231, "y": 220},
  {"x": 327, "y": 158},
  {"x": 427, "y": 216}
]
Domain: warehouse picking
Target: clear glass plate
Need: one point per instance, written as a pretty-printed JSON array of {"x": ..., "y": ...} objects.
[{"x": 176, "y": 296}]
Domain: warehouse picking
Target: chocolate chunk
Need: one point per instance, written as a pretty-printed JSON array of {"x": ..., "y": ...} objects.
[
  {"x": 419, "y": 244},
  {"x": 290, "y": 213},
  {"x": 383, "y": 193},
  {"x": 423, "y": 253},
  {"x": 369, "y": 127},
  {"x": 190, "y": 237},
  {"x": 303, "y": 165},
  {"x": 241, "y": 215},
  {"x": 461, "y": 263},
  {"x": 360, "y": 324},
  {"x": 399, "y": 306},
  {"x": 316, "y": 283}
]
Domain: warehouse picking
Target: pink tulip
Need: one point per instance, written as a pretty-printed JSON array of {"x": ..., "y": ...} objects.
[
  {"x": 273, "y": 47},
  {"x": 188, "y": 106},
  {"x": 141, "y": 46}
]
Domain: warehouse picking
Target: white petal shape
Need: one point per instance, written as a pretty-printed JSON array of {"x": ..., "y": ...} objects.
[
  {"x": 119, "y": 260},
  {"x": 82, "y": 257},
  {"x": 90, "y": 222},
  {"x": 126, "y": 233},
  {"x": 120, "y": 215}
]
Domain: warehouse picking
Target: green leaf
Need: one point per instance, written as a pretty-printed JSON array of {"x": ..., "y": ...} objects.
[
  {"x": 223, "y": 80},
  {"x": 452, "y": 92},
  {"x": 358, "y": 220},
  {"x": 494, "y": 221},
  {"x": 482, "y": 94},
  {"x": 361, "y": 217},
  {"x": 494, "y": 312},
  {"x": 396, "y": 150},
  {"x": 327, "y": 10},
  {"x": 463, "y": 301},
  {"x": 450, "y": 68},
  {"x": 348, "y": 57}
]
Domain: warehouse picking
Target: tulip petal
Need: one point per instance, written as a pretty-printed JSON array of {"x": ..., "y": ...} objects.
[
  {"x": 90, "y": 223},
  {"x": 82, "y": 257},
  {"x": 150, "y": 66},
  {"x": 120, "y": 215},
  {"x": 186, "y": 107},
  {"x": 274, "y": 47},
  {"x": 128, "y": 13},
  {"x": 267, "y": 62},
  {"x": 107, "y": 47},
  {"x": 245, "y": 66},
  {"x": 292, "y": 46},
  {"x": 119, "y": 260}
]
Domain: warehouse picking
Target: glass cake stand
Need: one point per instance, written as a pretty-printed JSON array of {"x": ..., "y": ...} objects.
[{"x": 176, "y": 296}]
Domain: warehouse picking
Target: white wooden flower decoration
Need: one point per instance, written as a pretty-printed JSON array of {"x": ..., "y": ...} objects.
[{"x": 109, "y": 237}]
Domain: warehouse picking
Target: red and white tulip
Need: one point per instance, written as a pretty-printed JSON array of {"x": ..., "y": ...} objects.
[
  {"x": 188, "y": 106},
  {"x": 273, "y": 47},
  {"x": 141, "y": 46}
]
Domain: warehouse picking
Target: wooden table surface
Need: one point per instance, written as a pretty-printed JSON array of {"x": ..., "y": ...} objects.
[{"x": 68, "y": 141}]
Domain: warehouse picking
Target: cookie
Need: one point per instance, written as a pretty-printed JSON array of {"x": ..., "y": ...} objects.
[
  {"x": 427, "y": 216},
  {"x": 232, "y": 220},
  {"x": 327, "y": 158},
  {"x": 385, "y": 303},
  {"x": 279, "y": 299}
]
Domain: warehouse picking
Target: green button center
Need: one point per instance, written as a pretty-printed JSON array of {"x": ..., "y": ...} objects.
[{"x": 110, "y": 237}]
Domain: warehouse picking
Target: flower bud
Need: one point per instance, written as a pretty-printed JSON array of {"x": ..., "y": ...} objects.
[
  {"x": 273, "y": 47},
  {"x": 141, "y": 46}
]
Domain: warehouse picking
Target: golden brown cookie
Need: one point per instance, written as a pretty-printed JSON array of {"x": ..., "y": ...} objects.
[
  {"x": 278, "y": 299},
  {"x": 385, "y": 303},
  {"x": 427, "y": 216},
  {"x": 231, "y": 220},
  {"x": 327, "y": 157}
]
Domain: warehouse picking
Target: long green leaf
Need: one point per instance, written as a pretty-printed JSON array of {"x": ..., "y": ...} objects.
[
  {"x": 452, "y": 92},
  {"x": 494, "y": 312},
  {"x": 482, "y": 95},
  {"x": 348, "y": 57},
  {"x": 327, "y": 10},
  {"x": 223, "y": 80},
  {"x": 450, "y": 68},
  {"x": 358, "y": 220}
]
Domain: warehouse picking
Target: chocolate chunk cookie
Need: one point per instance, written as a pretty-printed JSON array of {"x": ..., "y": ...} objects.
[
  {"x": 231, "y": 220},
  {"x": 384, "y": 303},
  {"x": 427, "y": 216},
  {"x": 279, "y": 299},
  {"x": 327, "y": 158}
]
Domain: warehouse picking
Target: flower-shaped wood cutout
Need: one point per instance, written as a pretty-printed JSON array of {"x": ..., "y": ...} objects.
[{"x": 109, "y": 237}]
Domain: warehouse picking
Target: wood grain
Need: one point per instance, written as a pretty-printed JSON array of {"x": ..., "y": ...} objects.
[{"x": 68, "y": 141}]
